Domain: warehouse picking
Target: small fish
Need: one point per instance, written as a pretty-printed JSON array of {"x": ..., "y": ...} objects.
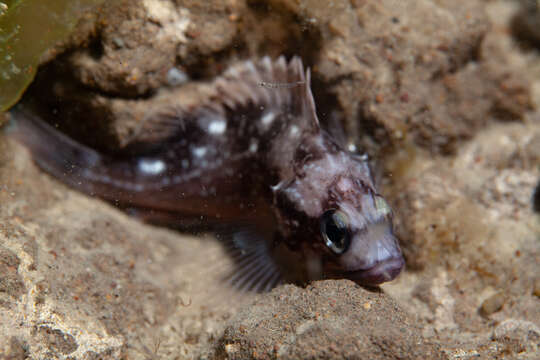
[{"x": 251, "y": 157}]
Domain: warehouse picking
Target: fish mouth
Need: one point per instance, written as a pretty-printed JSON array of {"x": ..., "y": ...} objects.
[{"x": 379, "y": 273}]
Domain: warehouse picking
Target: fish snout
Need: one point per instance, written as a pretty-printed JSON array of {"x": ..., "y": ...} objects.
[{"x": 374, "y": 257}]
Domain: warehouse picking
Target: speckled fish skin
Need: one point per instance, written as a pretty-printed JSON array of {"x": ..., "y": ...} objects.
[{"x": 251, "y": 153}]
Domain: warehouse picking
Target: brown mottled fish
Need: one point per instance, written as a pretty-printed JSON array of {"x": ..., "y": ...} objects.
[{"x": 253, "y": 157}]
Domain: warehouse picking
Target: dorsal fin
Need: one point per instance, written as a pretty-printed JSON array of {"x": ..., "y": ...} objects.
[{"x": 266, "y": 84}]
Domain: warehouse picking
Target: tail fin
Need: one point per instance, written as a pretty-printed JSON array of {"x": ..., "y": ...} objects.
[{"x": 53, "y": 151}]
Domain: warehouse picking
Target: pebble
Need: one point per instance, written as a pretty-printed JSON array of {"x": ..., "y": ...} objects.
[{"x": 493, "y": 304}]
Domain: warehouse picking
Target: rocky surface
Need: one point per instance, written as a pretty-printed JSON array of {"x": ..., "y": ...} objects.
[
  {"x": 441, "y": 91},
  {"x": 424, "y": 72},
  {"x": 329, "y": 319},
  {"x": 392, "y": 72},
  {"x": 468, "y": 223},
  {"x": 526, "y": 23},
  {"x": 81, "y": 280}
]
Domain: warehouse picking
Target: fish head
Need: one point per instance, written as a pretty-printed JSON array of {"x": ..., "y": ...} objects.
[
  {"x": 331, "y": 214},
  {"x": 359, "y": 243}
]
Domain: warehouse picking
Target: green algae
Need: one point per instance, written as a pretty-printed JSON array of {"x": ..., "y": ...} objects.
[{"x": 27, "y": 29}]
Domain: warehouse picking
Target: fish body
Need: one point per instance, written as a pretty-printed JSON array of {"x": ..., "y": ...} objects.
[{"x": 254, "y": 155}]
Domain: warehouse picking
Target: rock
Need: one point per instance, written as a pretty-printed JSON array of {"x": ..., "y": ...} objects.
[
  {"x": 519, "y": 336},
  {"x": 11, "y": 284},
  {"x": 135, "y": 48},
  {"x": 56, "y": 341},
  {"x": 81, "y": 280},
  {"x": 492, "y": 304},
  {"x": 470, "y": 237},
  {"x": 12, "y": 349},
  {"x": 536, "y": 288},
  {"x": 526, "y": 23},
  {"x": 447, "y": 206},
  {"x": 393, "y": 73},
  {"x": 328, "y": 319},
  {"x": 421, "y": 73}
]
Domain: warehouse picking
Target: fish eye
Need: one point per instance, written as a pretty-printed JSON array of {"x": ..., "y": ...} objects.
[{"x": 335, "y": 232}]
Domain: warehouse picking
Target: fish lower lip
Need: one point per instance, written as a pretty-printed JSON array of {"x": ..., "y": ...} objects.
[{"x": 379, "y": 273}]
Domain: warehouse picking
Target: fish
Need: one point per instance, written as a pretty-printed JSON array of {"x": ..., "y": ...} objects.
[{"x": 252, "y": 157}]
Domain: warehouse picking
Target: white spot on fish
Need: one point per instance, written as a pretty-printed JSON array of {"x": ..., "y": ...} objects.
[
  {"x": 268, "y": 118},
  {"x": 254, "y": 146},
  {"x": 199, "y": 151},
  {"x": 166, "y": 181},
  {"x": 217, "y": 127},
  {"x": 151, "y": 166},
  {"x": 294, "y": 131}
]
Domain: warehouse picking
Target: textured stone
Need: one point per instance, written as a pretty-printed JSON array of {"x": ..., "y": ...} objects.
[{"x": 328, "y": 320}]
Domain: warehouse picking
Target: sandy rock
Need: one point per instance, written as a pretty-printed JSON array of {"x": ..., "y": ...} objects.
[
  {"x": 469, "y": 223},
  {"x": 526, "y": 23},
  {"x": 492, "y": 304},
  {"x": 81, "y": 280},
  {"x": 133, "y": 48},
  {"x": 492, "y": 180},
  {"x": 389, "y": 70},
  {"x": 11, "y": 284},
  {"x": 13, "y": 349},
  {"x": 519, "y": 336},
  {"x": 416, "y": 71},
  {"x": 327, "y": 320}
]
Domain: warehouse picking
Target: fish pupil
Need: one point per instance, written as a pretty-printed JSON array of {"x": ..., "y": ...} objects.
[{"x": 335, "y": 232}]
